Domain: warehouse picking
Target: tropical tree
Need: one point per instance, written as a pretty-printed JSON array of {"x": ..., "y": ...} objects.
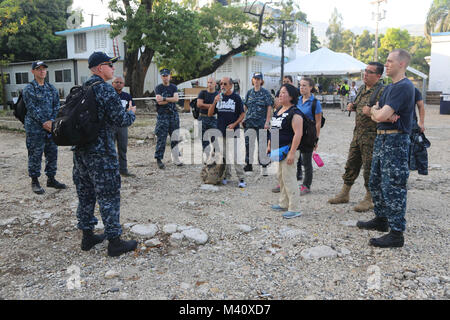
[
  {"x": 438, "y": 18},
  {"x": 30, "y": 28},
  {"x": 192, "y": 41},
  {"x": 334, "y": 31},
  {"x": 394, "y": 38}
]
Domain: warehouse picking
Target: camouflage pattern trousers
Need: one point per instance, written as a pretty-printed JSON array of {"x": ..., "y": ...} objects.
[
  {"x": 96, "y": 178},
  {"x": 39, "y": 142},
  {"x": 166, "y": 125},
  {"x": 388, "y": 178},
  {"x": 359, "y": 156}
]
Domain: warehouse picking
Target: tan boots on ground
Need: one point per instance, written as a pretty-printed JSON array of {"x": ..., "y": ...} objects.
[
  {"x": 343, "y": 197},
  {"x": 366, "y": 204}
]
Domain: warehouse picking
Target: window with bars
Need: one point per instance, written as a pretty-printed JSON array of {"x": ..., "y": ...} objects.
[
  {"x": 100, "y": 39},
  {"x": 227, "y": 67},
  {"x": 80, "y": 42},
  {"x": 256, "y": 66},
  {"x": 21, "y": 77},
  {"x": 63, "y": 75}
]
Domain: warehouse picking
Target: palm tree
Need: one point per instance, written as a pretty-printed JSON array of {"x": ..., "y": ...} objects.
[{"x": 438, "y": 18}]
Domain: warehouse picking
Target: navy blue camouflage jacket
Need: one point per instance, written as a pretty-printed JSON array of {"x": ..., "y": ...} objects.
[
  {"x": 42, "y": 104},
  {"x": 112, "y": 113}
]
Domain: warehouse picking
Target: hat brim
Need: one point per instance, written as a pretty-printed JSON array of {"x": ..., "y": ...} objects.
[{"x": 41, "y": 65}]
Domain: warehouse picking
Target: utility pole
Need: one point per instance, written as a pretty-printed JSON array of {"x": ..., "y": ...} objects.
[
  {"x": 283, "y": 38},
  {"x": 377, "y": 16},
  {"x": 92, "y": 18}
]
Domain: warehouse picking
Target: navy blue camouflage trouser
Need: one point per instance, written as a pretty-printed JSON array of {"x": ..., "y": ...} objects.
[
  {"x": 97, "y": 178},
  {"x": 166, "y": 124},
  {"x": 207, "y": 123},
  {"x": 388, "y": 177},
  {"x": 39, "y": 142}
]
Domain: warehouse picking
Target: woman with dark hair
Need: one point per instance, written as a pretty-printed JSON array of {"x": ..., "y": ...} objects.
[
  {"x": 305, "y": 104},
  {"x": 287, "y": 126}
]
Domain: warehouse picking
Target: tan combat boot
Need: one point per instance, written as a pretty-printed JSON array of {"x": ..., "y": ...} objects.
[
  {"x": 341, "y": 197},
  {"x": 366, "y": 204}
]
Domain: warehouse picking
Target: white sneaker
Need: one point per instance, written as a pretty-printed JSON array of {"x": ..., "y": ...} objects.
[
  {"x": 264, "y": 171},
  {"x": 242, "y": 184}
]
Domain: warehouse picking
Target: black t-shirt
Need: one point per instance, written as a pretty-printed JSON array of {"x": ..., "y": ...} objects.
[
  {"x": 400, "y": 96},
  {"x": 208, "y": 98},
  {"x": 418, "y": 97},
  {"x": 228, "y": 111},
  {"x": 283, "y": 124},
  {"x": 166, "y": 92}
]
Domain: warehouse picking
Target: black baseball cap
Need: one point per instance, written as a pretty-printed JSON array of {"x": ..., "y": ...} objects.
[
  {"x": 99, "y": 57},
  {"x": 164, "y": 72},
  {"x": 258, "y": 75},
  {"x": 37, "y": 64}
]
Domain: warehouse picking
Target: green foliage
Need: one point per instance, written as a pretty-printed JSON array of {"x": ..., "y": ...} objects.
[
  {"x": 393, "y": 39},
  {"x": 30, "y": 27},
  {"x": 334, "y": 31},
  {"x": 438, "y": 17}
]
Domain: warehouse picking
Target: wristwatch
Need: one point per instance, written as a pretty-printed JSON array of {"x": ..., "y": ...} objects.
[{"x": 164, "y": 98}]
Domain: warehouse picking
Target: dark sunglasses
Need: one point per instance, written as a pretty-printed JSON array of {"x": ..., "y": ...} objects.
[
  {"x": 224, "y": 84},
  {"x": 109, "y": 64},
  {"x": 370, "y": 71}
]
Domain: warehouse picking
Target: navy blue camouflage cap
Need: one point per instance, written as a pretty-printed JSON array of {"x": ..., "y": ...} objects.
[
  {"x": 164, "y": 72},
  {"x": 37, "y": 64},
  {"x": 258, "y": 75},
  {"x": 99, "y": 57}
]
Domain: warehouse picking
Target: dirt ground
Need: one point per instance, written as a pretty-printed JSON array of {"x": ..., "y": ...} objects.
[{"x": 251, "y": 251}]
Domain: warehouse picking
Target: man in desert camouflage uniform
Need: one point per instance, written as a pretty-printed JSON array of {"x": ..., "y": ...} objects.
[{"x": 361, "y": 147}]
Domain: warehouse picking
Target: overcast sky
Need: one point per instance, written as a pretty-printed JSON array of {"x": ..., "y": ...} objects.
[{"x": 354, "y": 12}]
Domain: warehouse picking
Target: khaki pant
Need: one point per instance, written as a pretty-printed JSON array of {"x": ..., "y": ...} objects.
[
  {"x": 344, "y": 103},
  {"x": 289, "y": 190}
]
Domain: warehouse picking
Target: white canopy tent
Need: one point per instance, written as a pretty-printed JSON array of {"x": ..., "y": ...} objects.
[
  {"x": 322, "y": 62},
  {"x": 325, "y": 62}
]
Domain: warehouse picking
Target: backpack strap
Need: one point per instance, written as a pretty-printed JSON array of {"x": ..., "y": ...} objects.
[{"x": 373, "y": 97}]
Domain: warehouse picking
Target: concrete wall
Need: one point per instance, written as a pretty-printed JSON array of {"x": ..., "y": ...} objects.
[{"x": 440, "y": 63}]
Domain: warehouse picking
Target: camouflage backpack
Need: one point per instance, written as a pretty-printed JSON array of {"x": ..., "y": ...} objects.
[{"x": 213, "y": 173}]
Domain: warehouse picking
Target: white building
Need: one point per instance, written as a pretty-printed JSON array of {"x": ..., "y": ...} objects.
[
  {"x": 440, "y": 63},
  {"x": 81, "y": 42}
]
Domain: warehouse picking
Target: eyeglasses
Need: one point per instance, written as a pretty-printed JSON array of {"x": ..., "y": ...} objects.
[
  {"x": 109, "y": 64},
  {"x": 369, "y": 71},
  {"x": 223, "y": 84}
]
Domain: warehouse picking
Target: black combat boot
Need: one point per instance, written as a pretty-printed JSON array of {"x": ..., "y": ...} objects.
[
  {"x": 379, "y": 224},
  {"x": 90, "y": 239},
  {"x": 117, "y": 246},
  {"x": 53, "y": 183},
  {"x": 393, "y": 239},
  {"x": 160, "y": 164},
  {"x": 36, "y": 187},
  {"x": 248, "y": 167}
]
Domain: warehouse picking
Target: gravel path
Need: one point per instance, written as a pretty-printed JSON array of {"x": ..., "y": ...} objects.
[{"x": 225, "y": 243}]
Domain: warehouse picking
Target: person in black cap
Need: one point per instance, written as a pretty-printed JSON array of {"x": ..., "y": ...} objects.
[
  {"x": 96, "y": 167},
  {"x": 42, "y": 102},
  {"x": 167, "y": 121},
  {"x": 258, "y": 106}
]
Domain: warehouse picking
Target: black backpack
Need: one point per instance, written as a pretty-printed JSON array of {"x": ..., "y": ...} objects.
[
  {"x": 313, "y": 108},
  {"x": 77, "y": 121},
  {"x": 194, "y": 108},
  {"x": 309, "y": 137},
  {"x": 20, "y": 110}
]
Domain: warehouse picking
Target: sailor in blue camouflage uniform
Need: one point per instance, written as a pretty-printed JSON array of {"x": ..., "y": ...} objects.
[
  {"x": 42, "y": 103},
  {"x": 205, "y": 100},
  {"x": 167, "y": 121},
  {"x": 389, "y": 169},
  {"x": 258, "y": 105},
  {"x": 96, "y": 167}
]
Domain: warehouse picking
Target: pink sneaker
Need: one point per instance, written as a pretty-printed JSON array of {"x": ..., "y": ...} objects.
[{"x": 304, "y": 190}]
